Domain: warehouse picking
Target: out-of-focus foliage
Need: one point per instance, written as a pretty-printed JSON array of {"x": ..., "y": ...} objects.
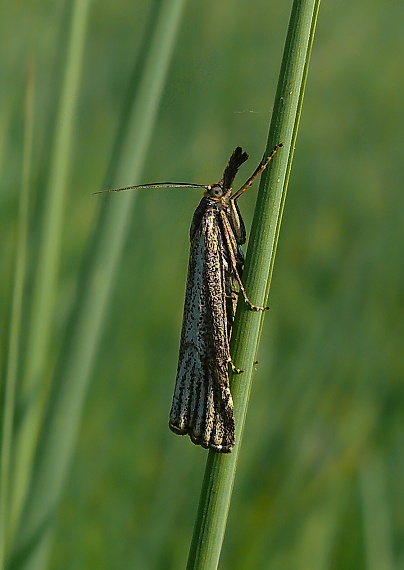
[{"x": 319, "y": 484}]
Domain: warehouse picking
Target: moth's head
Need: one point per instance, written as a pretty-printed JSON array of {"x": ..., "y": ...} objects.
[{"x": 214, "y": 191}]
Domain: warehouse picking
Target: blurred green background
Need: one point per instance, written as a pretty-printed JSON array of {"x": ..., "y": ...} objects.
[{"x": 320, "y": 478}]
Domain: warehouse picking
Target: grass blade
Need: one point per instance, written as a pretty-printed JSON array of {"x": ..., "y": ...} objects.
[
  {"x": 14, "y": 357},
  {"x": 33, "y": 386},
  {"x": 220, "y": 470},
  {"x": 99, "y": 269}
]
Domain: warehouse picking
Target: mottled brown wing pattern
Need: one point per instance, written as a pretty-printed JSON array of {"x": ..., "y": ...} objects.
[{"x": 202, "y": 404}]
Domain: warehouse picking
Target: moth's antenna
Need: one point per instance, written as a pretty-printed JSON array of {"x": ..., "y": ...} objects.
[{"x": 155, "y": 185}]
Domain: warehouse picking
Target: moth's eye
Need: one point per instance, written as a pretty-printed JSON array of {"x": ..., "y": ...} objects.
[{"x": 216, "y": 192}]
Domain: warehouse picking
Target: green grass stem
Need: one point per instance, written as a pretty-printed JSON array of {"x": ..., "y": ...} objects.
[
  {"x": 41, "y": 325},
  {"x": 98, "y": 274},
  {"x": 14, "y": 356},
  {"x": 220, "y": 469}
]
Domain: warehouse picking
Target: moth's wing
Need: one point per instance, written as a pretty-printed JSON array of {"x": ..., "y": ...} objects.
[{"x": 202, "y": 404}]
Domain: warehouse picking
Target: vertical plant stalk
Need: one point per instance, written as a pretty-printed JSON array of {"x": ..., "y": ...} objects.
[
  {"x": 33, "y": 385},
  {"x": 99, "y": 268},
  {"x": 220, "y": 469},
  {"x": 13, "y": 357}
]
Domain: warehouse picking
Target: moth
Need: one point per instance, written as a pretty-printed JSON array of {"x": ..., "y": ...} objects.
[{"x": 202, "y": 405}]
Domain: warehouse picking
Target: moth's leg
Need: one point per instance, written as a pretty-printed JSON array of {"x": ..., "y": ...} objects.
[
  {"x": 234, "y": 368},
  {"x": 259, "y": 170},
  {"x": 232, "y": 247}
]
